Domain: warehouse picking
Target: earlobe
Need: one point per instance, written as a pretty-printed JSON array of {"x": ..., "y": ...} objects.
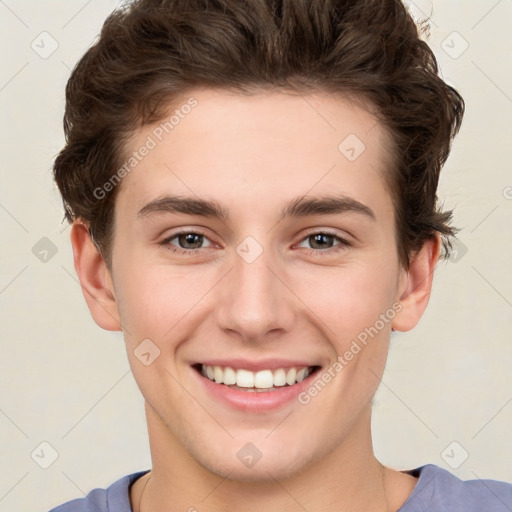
[
  {"x": 415, "y": 292},
  {"x": 94, "y": 278}
]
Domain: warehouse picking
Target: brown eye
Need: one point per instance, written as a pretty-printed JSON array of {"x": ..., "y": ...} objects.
[
  {"x": 323, "y": 242},
  {"x": 194, "y": 239},
  {"x": 187, "y": 242}
]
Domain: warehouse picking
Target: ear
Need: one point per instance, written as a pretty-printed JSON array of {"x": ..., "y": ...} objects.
[
  {"x": 95, "y": 279},
  {"x": 416, "y": 285}
]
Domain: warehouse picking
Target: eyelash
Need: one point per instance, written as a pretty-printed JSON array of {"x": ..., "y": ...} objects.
[{"x": 313, "y": 252}]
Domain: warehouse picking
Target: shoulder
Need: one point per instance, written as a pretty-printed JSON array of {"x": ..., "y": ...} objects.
[
  {"x": 439, "y": 490},
  {"x": 115, "y": 497}
]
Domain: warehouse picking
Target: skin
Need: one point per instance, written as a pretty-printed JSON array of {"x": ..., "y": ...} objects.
[{"x": 253, "y": 154}]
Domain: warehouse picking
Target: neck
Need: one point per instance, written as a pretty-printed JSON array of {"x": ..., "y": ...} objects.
[{"x": 349, "y": 478}]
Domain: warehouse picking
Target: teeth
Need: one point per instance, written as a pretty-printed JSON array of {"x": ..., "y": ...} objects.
[
  {"x": 290, "y": 376},
  {"x": 301, "y": 374},
  {"x": 264, "y": 379},
  {"x": 244, "y": 379},
  {"x": 218, "y": 374},
  {"x": 280, "y": 377},
  {"x": 229, "y": 376}
]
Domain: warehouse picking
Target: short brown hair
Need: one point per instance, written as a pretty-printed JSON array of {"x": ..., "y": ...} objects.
[{"x": 151, "y": 51}]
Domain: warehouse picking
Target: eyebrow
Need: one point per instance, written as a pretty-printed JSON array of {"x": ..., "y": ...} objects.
[{"x": 299, "y": 207}]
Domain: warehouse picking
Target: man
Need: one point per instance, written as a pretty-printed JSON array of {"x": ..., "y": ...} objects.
[{"x": 252, "y": 187}]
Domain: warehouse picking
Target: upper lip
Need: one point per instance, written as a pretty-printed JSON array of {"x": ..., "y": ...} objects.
[{"x": 255, "y": 366}]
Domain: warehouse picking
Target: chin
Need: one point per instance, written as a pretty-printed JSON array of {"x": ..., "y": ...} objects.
[
  {"x": 266, "y": 469},
  {"x": 262, "y": 473}
]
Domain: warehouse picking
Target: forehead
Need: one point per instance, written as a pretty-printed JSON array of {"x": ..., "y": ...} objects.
[{"x": 254, "y": 150}]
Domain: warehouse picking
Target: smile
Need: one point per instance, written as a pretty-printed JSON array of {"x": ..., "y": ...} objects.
[
  {"x": 264, "y": 388},
  {"x": 263, "y": 380}
]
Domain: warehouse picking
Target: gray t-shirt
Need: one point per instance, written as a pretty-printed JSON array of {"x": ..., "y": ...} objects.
[{"x": 437, "y": 490}]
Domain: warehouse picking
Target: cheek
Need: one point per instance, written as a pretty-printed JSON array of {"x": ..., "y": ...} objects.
[
  {"x": 158, "y": 296},
  {"x": 158, "y": 308},
  {"x": 348, "y": 299},
  {"x": 356, "y": 306}
]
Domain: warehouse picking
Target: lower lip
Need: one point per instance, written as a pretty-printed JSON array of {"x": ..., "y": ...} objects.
[{"x": 255, "y": 402}]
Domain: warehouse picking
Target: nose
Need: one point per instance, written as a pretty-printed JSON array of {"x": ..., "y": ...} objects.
[{"x": 255, "y": 301}]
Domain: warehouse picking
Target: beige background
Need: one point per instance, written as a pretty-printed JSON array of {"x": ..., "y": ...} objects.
[{"x": 66, "y": 382}]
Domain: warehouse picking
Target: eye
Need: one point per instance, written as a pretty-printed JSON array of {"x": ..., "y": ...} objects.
[
  {"x": 191, "y": 241},
  {"x": 322, "y": 243},
  {"x": 187, "y": 240}
]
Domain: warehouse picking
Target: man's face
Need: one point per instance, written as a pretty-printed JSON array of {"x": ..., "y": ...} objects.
[{"x": 255, "y": 290}]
